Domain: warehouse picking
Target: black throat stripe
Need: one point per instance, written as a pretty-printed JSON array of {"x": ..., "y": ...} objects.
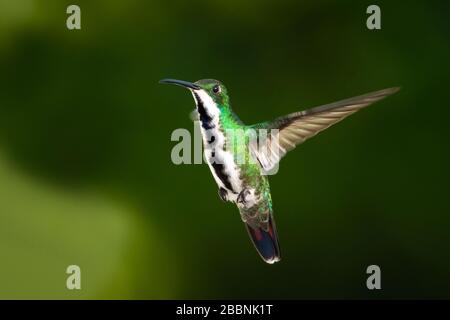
[
  {"x": 205, "y": 119},
  {"x": 220, "y": 172},
  {"x": 207, "y": 124}
]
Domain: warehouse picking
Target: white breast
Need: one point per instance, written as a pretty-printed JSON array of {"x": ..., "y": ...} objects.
[
  {"x": 215, "y": 151},
  {"x": 220, "y": 156}
]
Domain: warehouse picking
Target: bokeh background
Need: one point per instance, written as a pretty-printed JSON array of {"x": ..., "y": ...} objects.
[{"x": 85, "y": 170}]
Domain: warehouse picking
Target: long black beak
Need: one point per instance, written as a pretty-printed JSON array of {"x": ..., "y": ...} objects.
[{"x": 180, "y": 83}]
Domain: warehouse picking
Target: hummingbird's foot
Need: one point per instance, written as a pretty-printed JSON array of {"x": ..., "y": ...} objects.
[
  {"x": 243, "y": 196},
  {"x": 223, "y": 194}
]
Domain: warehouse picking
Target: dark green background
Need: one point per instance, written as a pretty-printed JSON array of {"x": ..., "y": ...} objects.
[{"x": 85, "y": 170}]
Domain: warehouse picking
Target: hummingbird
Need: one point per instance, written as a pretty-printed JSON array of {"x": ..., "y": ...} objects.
[{"x": 246, "y": 183}]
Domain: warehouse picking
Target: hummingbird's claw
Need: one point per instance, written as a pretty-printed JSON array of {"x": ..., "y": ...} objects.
[{"x": 242, "y": 197}]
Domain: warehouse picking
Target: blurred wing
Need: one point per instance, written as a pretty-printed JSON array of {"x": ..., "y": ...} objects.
[{"x": 295, "y": 128}]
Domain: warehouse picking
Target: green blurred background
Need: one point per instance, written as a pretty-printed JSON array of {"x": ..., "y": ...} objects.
[{"x": 85, "y": 170}]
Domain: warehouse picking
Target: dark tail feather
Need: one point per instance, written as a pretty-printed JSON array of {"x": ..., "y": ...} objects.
[{"x": 266, "y": 242}]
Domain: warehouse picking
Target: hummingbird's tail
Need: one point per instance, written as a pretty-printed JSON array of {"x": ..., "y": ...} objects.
[{"x": 266, "y": 242}]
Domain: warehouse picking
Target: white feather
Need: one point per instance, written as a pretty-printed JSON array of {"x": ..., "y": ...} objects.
[{"x": 221, "y": 156}]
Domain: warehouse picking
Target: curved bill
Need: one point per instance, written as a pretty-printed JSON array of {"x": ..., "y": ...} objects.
[{"x": 180, "y": 83}]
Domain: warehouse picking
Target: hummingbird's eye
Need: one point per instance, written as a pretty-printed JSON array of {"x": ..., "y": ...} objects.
[{"x": 216, "y": 89}]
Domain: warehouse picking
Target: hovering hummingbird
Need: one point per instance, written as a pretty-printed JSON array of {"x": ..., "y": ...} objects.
[{"x": 245, "y": 183}]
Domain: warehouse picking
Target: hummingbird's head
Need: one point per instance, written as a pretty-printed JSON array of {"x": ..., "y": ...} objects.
[
  {"x": 215, "y": 89},
  {"x": 204, "y": 90}
]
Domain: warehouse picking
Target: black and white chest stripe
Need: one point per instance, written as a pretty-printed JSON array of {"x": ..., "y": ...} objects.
[{"x": 221, "y": 162}]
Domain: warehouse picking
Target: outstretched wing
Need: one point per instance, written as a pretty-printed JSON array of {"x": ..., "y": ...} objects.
[{"x": 295, "y": 128}]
